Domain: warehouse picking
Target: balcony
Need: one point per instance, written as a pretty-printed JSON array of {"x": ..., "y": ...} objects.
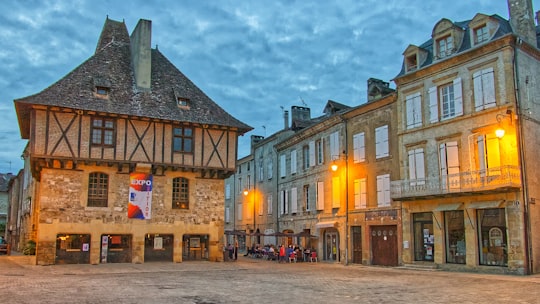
[{"x": 493, "y": 180}]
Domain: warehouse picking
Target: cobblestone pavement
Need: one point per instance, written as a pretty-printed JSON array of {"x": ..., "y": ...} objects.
[{"x": 254, "y": 281}]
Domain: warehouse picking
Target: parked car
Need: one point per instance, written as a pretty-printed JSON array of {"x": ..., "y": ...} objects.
[{"x": 3, "y": 248}]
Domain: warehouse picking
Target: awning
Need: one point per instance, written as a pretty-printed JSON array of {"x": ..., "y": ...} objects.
[
  {"x": 448, "y": 207},
  {"x": 329, "y": 224},
  {"x": 486, "y": 204}
]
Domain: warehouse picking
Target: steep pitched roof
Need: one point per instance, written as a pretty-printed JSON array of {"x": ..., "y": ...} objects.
[
  {"x": 111, "y": 67},
  {"x": 504, "y": 28}
]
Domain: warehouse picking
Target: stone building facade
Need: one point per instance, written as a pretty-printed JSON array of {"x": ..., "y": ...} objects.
[
  {"x": 467, "y": 189},
  {"x": 128, "y": 159}
]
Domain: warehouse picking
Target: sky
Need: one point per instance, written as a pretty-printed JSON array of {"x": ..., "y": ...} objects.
[{"x": 253, "y": 58}]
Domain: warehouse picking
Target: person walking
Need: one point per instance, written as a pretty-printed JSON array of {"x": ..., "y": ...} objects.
[
  {"x": 231, "y": 251},
  {"x": 235, "y": 249},
  {"x": 282, "y": 253}
]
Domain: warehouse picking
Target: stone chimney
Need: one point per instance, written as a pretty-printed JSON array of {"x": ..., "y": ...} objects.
[
  {"x": 255, "y": 139},
  {"x": 522, "y": 20},
  {"x": 285, "y": 120},
  {"x": 300, "y": 117},
  {"x": 300, "y": 113},
  {"x": 141, "y": 53}
]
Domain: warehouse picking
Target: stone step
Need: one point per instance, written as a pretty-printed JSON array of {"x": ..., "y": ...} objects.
[{"x": 420, "y": 266}]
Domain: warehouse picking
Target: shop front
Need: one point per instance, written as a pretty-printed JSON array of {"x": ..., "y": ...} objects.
[
  {"x": 72, "y": 249},
  {"x": 158, "y": 248},
  {"x": 116, "y": 248},
  {"x": 483, "y": 235},
  {"x": 195, "y": 247}
]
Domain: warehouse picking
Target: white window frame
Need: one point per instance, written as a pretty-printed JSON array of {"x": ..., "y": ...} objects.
[
  {"x": 445, "y": 46},
  {"x": 270, "y": 171},
  {"x": 381, "y": 142},
  {"x": 306, "y": 198},
  {"x": 336, "y": 192},
  {"x": 360, "y": 193},
  {"x": 334, "y": 145},
  {"x": 383, "y": 190},
  {"x": 312, "y": 153},
  {"x": 260, "y": 207},
  {"x": 437, "y": 102},
  {"x": 240, "y": 212},
  {"x": 270, "y": 202},
  {"x": 282, "y": 166},
  {"x": 293, "y": 162},
  {"x": 359, "y": 147},
  {"x": 417, "y": 169},
  {"x": 484, "y": 89},
  {"x": 319, "y": 151},
  {"x": 227, "y": 191},
  {"x": 489, "y": 155},
  {"x": 294, "y": 200},
  {"x": 480, "y": 34},
  {"x": 261, "y": 170},
  {"x": 449, "y": 165},
  {"x": 413, "y": 106},
  {"x": 320, "y": 196}
]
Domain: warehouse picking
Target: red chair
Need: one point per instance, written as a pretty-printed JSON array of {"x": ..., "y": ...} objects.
[
  {"x": 313, "y": 257},
  {"x": 292, "y": 257}
]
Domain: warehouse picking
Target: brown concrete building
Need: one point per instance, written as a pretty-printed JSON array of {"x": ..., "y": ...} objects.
[
  {"x": 127, "y": 157},
  {"x": 468, "y": 128}
]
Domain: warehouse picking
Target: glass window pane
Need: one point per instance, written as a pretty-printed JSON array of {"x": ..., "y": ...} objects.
[{"x": 455, "y": 237}]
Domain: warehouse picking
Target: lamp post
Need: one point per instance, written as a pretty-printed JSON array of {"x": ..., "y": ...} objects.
[
  {"x": 334, "y": 168},
  {"x": 246, "y": 193}
]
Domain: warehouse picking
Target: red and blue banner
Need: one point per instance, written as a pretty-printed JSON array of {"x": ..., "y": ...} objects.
[{"x": 140, "y": 196}]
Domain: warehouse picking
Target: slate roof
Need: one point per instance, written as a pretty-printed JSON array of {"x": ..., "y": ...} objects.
[
  {"x": 110, "y": 66},
  {"x": 504, "y": 28},
  {"x": 4, "y": 181}
]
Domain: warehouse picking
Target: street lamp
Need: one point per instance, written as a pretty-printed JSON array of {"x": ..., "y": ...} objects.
[
  {"x": 500, "y": 130},
  {"x": 334, "y": 168},
  {"x": 246, "y": 193}
]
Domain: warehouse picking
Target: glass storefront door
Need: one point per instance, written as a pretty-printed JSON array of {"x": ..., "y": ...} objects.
[
  {"x": 331, "y": 246},
  {"x": 423, "y": 236}
]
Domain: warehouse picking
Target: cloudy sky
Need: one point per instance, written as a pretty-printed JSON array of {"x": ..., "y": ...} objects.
[{"x": 251, "y": 57}]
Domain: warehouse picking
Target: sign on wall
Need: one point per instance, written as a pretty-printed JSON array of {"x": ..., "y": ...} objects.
[{"x": 140, "y": 196}]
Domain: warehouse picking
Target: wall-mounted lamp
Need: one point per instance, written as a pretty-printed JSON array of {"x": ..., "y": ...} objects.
[
  {"x": 334, "y": 166},
  {"x": 500, "y": 130}
]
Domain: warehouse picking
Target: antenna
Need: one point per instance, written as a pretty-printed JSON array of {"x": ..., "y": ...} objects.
[
  {"x": 264, "y": 127},
  {"x": 282, "y": 108},
  {"x": 303, "y": 102}
]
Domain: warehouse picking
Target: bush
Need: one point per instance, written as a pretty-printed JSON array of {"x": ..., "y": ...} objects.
[{"x": 30, "y": 248}]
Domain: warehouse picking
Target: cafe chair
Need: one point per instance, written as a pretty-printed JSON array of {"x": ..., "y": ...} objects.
[
  {"x": 292, "y": 257},
  {"x": 313, "y": 257}
]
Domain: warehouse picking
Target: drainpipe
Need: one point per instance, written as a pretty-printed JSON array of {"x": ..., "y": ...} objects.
[
  {"x": 522, "y": 158},
  {"x": 346, "y": 195}
]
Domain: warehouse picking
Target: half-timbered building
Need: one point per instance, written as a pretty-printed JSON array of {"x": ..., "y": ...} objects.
[{"x": 128, "y": 158}]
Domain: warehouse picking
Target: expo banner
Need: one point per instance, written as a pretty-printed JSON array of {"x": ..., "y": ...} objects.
[{"x": 140, "y": 196}]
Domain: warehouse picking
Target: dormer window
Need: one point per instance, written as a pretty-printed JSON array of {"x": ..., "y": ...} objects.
[
  {"x": 481, "y": 34},
  {"x": 182, "y": 102},
  {"x": 411, "y": 63},
  {"x": 102, "y": 92},
  {"x": 445, "y": 46}
]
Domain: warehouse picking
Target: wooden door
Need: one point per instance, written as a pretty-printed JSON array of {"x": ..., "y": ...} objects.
[
  {"x": 357, "y": 244},
  {"x": 384, "y": 245}
]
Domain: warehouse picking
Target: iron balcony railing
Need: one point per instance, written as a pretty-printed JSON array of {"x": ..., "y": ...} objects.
[{"x": 489, "y": 180}]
